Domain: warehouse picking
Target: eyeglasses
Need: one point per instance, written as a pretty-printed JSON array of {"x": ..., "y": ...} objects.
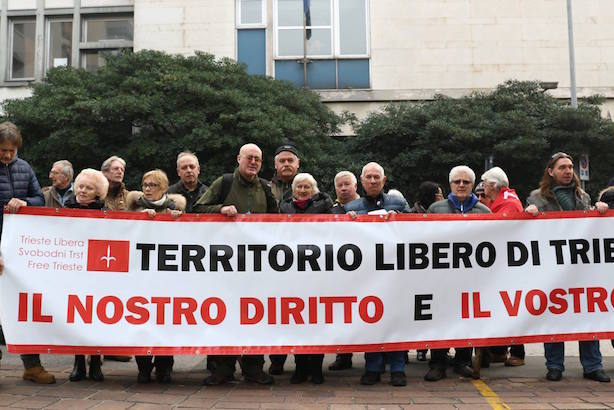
[
  {"x": 461, "y": 181},
  {"x": 481, "y": 195},
  {"x": 151, "y": 185},
  {"x": 254, "y": 158}
]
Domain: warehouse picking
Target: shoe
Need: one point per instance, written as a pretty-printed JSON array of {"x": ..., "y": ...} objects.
[
  {"x": 95, "y": 369},
  {"x": 514, "y": 361},
  {"x": 463, "y": 370},
  {"x": 118, "y": 358},
  {"x": 260, "y": 378},
  {"x": 421, "y": 355},
  {"x": 435, "y": 374},
  {"x": 340, "y": 364},
  {"x": 38, "y": 374},
  {"x": 78, "y": 371},
  {"x": 498, "y": 357},
  {"x": 398, "y": 379},
  {"x": 276, "y": 368},
  {"x": 370, "y": 378},
  {"x": 298, "y": 378},
  {"x": 163, "y": 375},
  {"x": 317, "y": 378},
  {"x": 554, "y": 375},
  {"x": 598, "y": 376},
  {"x": 215, "y": 379}
]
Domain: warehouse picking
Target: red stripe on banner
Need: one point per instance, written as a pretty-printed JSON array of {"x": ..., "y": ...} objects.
[
  {"x": 141, "y": 216},
  {"x": 241, "y": 350}
]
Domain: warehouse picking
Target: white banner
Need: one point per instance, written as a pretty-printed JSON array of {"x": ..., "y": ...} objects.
[{"x": 121, "y": 283}]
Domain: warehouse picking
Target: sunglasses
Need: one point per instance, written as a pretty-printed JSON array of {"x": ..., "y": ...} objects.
[{"x": 461, "y": 181}]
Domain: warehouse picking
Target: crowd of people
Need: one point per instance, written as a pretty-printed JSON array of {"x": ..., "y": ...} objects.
[{"x": 291, "y": 192}]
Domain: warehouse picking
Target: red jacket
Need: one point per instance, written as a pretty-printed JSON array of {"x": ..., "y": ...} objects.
[{"x": 506, "y": 201}]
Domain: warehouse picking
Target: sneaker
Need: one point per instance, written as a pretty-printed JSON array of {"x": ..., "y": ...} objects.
[
  {"x": 259, "y": 377},
  {"x": 38, "y": 374},
  {"x": 398, "y": 379},
  {"x": 514, "y": 361},
  {"x": 370, "y": 378},
  {"x": 435, "y": 374},
  {"x": 598, "y": 376}
]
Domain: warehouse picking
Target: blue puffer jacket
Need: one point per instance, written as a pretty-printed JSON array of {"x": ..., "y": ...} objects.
[
  {"x": 382, "y": 201},
  {"x": 17, "y": 180}
]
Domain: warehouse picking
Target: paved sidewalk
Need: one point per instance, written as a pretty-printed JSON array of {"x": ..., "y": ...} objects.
[{"x": 517, "y": 388}]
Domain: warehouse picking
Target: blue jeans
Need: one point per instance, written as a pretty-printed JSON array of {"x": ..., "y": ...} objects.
[
  {"x": 374, "y": 361},
  {"x": 590, "y": 355}
]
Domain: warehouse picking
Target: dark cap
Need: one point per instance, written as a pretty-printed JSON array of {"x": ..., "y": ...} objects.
[{"x": 286, "y": 147}]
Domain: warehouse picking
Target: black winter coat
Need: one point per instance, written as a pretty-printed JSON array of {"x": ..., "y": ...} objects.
[
  {"x": 320, "y": 203},
  {"x": 17, "y": 180}
]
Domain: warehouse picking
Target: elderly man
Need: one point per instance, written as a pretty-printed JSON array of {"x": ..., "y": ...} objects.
[
  {"x": 502, "y": 199},
  {"x": 113, "y": 169},
  {"x": 61, "y": 175},
  {"x": 286, "y": 168},
  {"x": 461, "y": 200},
  {"x": 18, "y": 188},
  {"x": 188, "y": 170},
  {"x": 240, "y": 192},
  {"x": 373, "y": 180},
  {"x": 559, "y": 190},
  {"x": 346, "y": 187}
]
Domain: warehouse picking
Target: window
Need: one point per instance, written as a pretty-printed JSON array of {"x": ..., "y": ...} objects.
[
  {"x": 251, "y": 35},
  {"x": 104, "y": 35},
  {"x": 59, "y": 43},
  {"x": 22, "y": 49},
  {"x": 338, "y": 29},
  {"x": 251, "y": 13},
  {"x": 334, "y": 39}
]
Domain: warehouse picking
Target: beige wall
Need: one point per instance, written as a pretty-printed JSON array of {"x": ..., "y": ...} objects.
[
  {"x": 447, "y": 44},
  {"x": 183, "y": 26}
]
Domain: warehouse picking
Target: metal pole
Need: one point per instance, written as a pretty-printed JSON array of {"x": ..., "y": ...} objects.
[
  {"x": 304, "y": 50},
  {"x": 572, "y": 57}
]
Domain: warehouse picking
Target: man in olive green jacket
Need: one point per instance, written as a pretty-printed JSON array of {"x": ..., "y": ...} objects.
[{"x": 231, "y": 194}]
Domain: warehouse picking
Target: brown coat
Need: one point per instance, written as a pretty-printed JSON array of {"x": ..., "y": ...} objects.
[
  {"x": 173, "y": 202},
  {"x": 116, "y": 198}
]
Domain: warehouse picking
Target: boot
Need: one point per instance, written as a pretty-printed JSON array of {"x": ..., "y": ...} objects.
[
  {"x": 145, "y": 366},
  {"x": 78, "y": 370},
  {"x": 38, "y": 374},
  {"x": 302, "y": 370},
  {"x": 316, "y": 368},
  {"x": 95, "y": 370}
]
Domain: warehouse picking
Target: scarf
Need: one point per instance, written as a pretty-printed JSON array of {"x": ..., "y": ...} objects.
[{"x": 566, "y": 196}]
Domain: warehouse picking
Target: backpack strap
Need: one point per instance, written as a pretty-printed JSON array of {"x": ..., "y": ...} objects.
[
  {"x": 226, "y": 186},
  {"x": 271, "y": 202}
]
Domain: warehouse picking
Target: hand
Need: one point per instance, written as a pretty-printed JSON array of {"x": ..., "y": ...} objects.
[
  {"x": 352, "y": 214},
  {"x": 602, "y": 207},
  {"x": 532, "y": 209},
  {"x": 175, "y": 213},
  {"x": 229, "y": 210},
  {"x": 391, "y": 212},
  {"x": 14, "y": 204},
  {"x": 150, "y": 212}
]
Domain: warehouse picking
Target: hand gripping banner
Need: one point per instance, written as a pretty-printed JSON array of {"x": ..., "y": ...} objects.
[{"x": 122, "y": 283}]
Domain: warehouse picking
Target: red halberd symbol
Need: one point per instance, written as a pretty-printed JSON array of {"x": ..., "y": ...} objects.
[{"x": 108, "y": 256}]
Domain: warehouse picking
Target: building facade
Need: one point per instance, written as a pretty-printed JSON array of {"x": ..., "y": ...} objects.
[{"x": 358, "y": 54}]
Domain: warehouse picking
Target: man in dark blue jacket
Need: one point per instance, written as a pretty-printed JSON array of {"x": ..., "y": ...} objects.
[{"x": 19, "y": 187}]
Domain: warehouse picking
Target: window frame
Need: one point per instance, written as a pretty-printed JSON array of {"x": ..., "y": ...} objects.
[
  {"x": 11, "y": 27},
  {"x": 335, "y": 35},
  {"x": 47, "y": 53},
  {"x": 263, "y": 21},
  {"x": 101, "y": 45}
]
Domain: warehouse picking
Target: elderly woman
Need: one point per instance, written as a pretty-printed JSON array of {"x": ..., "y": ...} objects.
[
  {"x": 307, "y": 199},
  {"x": 154, "y": 199},
  {"x": 461, "y": 200},
  {"x": 90, "y": 190}
]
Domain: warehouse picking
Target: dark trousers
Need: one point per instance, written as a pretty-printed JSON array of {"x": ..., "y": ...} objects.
[
  {"x": 30, "y": 360},
  {"x": 147, "y": 363},
  {"x": 309, "y": 364},
  {"x": 278, "y": 358},
  {"x": 225, "y": 364},
  {"x": 439, "y": 357}
]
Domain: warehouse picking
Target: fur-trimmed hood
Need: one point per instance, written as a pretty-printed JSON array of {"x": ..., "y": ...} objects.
[{"x": 136, "y": 201}]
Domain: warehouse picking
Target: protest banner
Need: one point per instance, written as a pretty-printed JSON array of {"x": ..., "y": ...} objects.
[{"x": 123, "y": 283}]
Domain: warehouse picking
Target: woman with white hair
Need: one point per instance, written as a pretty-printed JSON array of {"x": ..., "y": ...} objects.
[
  {"x": 90, "y": 190},
  {"x": 307, "y": 199}
]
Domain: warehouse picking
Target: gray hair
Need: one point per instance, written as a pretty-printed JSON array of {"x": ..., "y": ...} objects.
[
  {"x": 497, "y": 176},
  {"x": 66, "y": 168},
  {"x": 106, "y": 165},
  {"x": 101, "y": 182},
  {"x": 304, "y": 176},
  {"x": 342, "y": 174},
  {"x": 462, "y": 169},
  {"x": 395, "y": 192},
  {"x": 187, "y": 153},
  {"x": 378, "y": 166}
]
